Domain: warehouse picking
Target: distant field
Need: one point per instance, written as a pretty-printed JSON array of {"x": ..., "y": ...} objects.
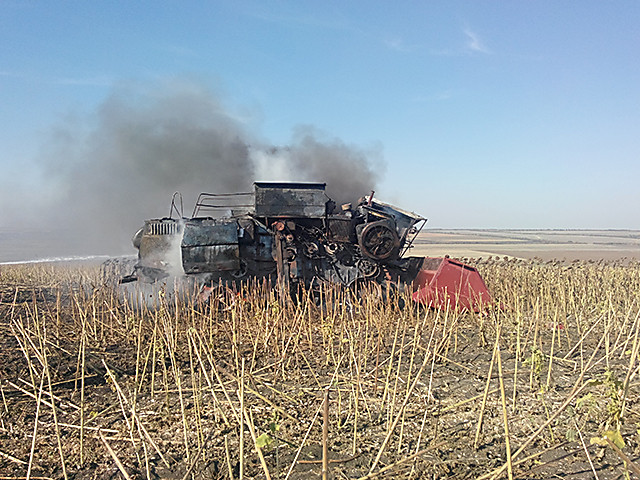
[{"x": 544, "y": 244}]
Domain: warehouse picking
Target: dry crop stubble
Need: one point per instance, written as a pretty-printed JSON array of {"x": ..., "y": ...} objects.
[{"x": 95, "y": 387}]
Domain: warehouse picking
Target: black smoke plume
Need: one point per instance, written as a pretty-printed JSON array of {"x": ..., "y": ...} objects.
[
  {"x": 107, "y": 173},
  {"x": 349, "y": 172}
]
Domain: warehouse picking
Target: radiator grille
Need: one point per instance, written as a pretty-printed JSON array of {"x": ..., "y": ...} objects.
[{"x": 162, "y": 228}]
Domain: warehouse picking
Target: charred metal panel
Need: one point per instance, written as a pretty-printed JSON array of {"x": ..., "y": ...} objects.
[
  {"x": 210, "y": 245},
  {"x": 210, "y": 258},
  {"x": 210, "y": 232},
  {"x": 290, "y": 200},
  {"x": 256, "y": 248},
  {"x": 262, "y": 248},
  {"x": 341, "y": 228},
  {"x": 340, "y": 274}
]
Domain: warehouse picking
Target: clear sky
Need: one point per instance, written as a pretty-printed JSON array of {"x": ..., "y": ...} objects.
[{"x": 477, "y": 114}]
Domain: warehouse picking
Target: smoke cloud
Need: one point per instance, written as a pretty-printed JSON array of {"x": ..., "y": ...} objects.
[
  {"x": 106, "y": 174},
  {"x": 348, "y": 171}
]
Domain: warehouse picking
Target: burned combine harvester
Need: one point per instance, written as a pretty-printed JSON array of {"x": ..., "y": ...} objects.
[{"x": 293, "y": 235}]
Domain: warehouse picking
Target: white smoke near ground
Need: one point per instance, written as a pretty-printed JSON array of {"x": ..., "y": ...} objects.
[{"x": 104, "y": 174}]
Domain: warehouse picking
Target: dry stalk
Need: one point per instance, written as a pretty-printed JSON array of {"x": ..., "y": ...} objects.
[
  {"x": 306, "y": 361},
  {"x": 468, "y": 400},
  {"x": 485, "y": 395},
  {"x": 419, "y": 441},
  {"x": 214, "y": 368},
  {"x": 22, "y": 343},
  {"x": 304, "y": 440},
  {"x": 34, "y": 395},
  {"x": 505, "y": 417},
  {"x": 397, "y": 376},
  {"x": 325, "y": 435},
  {"x": 170, "y": 342},
  {"x": 141, "y": 428},
  {"x": 13, "y": 459},
  {"x": 35, "y": 425},
  {"x": 252, "y": 431},
  {"x": 228, "y": 456},
  {"x": 553, "y": 343},
  {"x": 404, "y": 404},
  {"x": 114, "y": 457},
  {"x": 576, "y": 390},
  {"x": 252, "y": 391},
  {"x": 517, "y": 360},
  {"x": 196, "y": 391},
  {"x": 208, "y": 380},
  {"x": 582, "y": 339},
  {"x": 387, "y": 379},
  {"x": 634, "y": 355},
  {"x": 201, "y": 451},
  {"x": 586, "y": 451},
  {"x": 241, "y": 423},
  {"x": 623, "y": 456},
  {"x": 83, "y": 342},
  {"x": 632, "y": 329},
  {"x": 53, "y": 408},
  {"x": 122, "y": 401},
  {"x": 384, "y": 470},
  {"x": 313, "y": 421}
]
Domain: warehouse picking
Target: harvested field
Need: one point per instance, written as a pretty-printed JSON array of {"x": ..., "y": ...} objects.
[
  {"x": 543, "y": 386},
  {"x": 565, "y": 245}
]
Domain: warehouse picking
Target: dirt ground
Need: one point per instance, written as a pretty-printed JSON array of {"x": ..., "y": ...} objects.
[{"x": 94, "y": 390}]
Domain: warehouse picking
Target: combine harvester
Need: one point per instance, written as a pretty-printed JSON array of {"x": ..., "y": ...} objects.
[{"x": 293, "y": 235}]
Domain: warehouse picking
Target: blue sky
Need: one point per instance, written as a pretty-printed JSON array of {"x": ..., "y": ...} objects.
[{"x": 486, "y": 114}]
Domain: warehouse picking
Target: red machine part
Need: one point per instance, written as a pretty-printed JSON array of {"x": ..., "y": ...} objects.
[{"x": 443, "y": 282}]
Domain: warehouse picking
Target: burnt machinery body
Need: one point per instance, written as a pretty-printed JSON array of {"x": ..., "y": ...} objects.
[{"x": 295, "y": 235}]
